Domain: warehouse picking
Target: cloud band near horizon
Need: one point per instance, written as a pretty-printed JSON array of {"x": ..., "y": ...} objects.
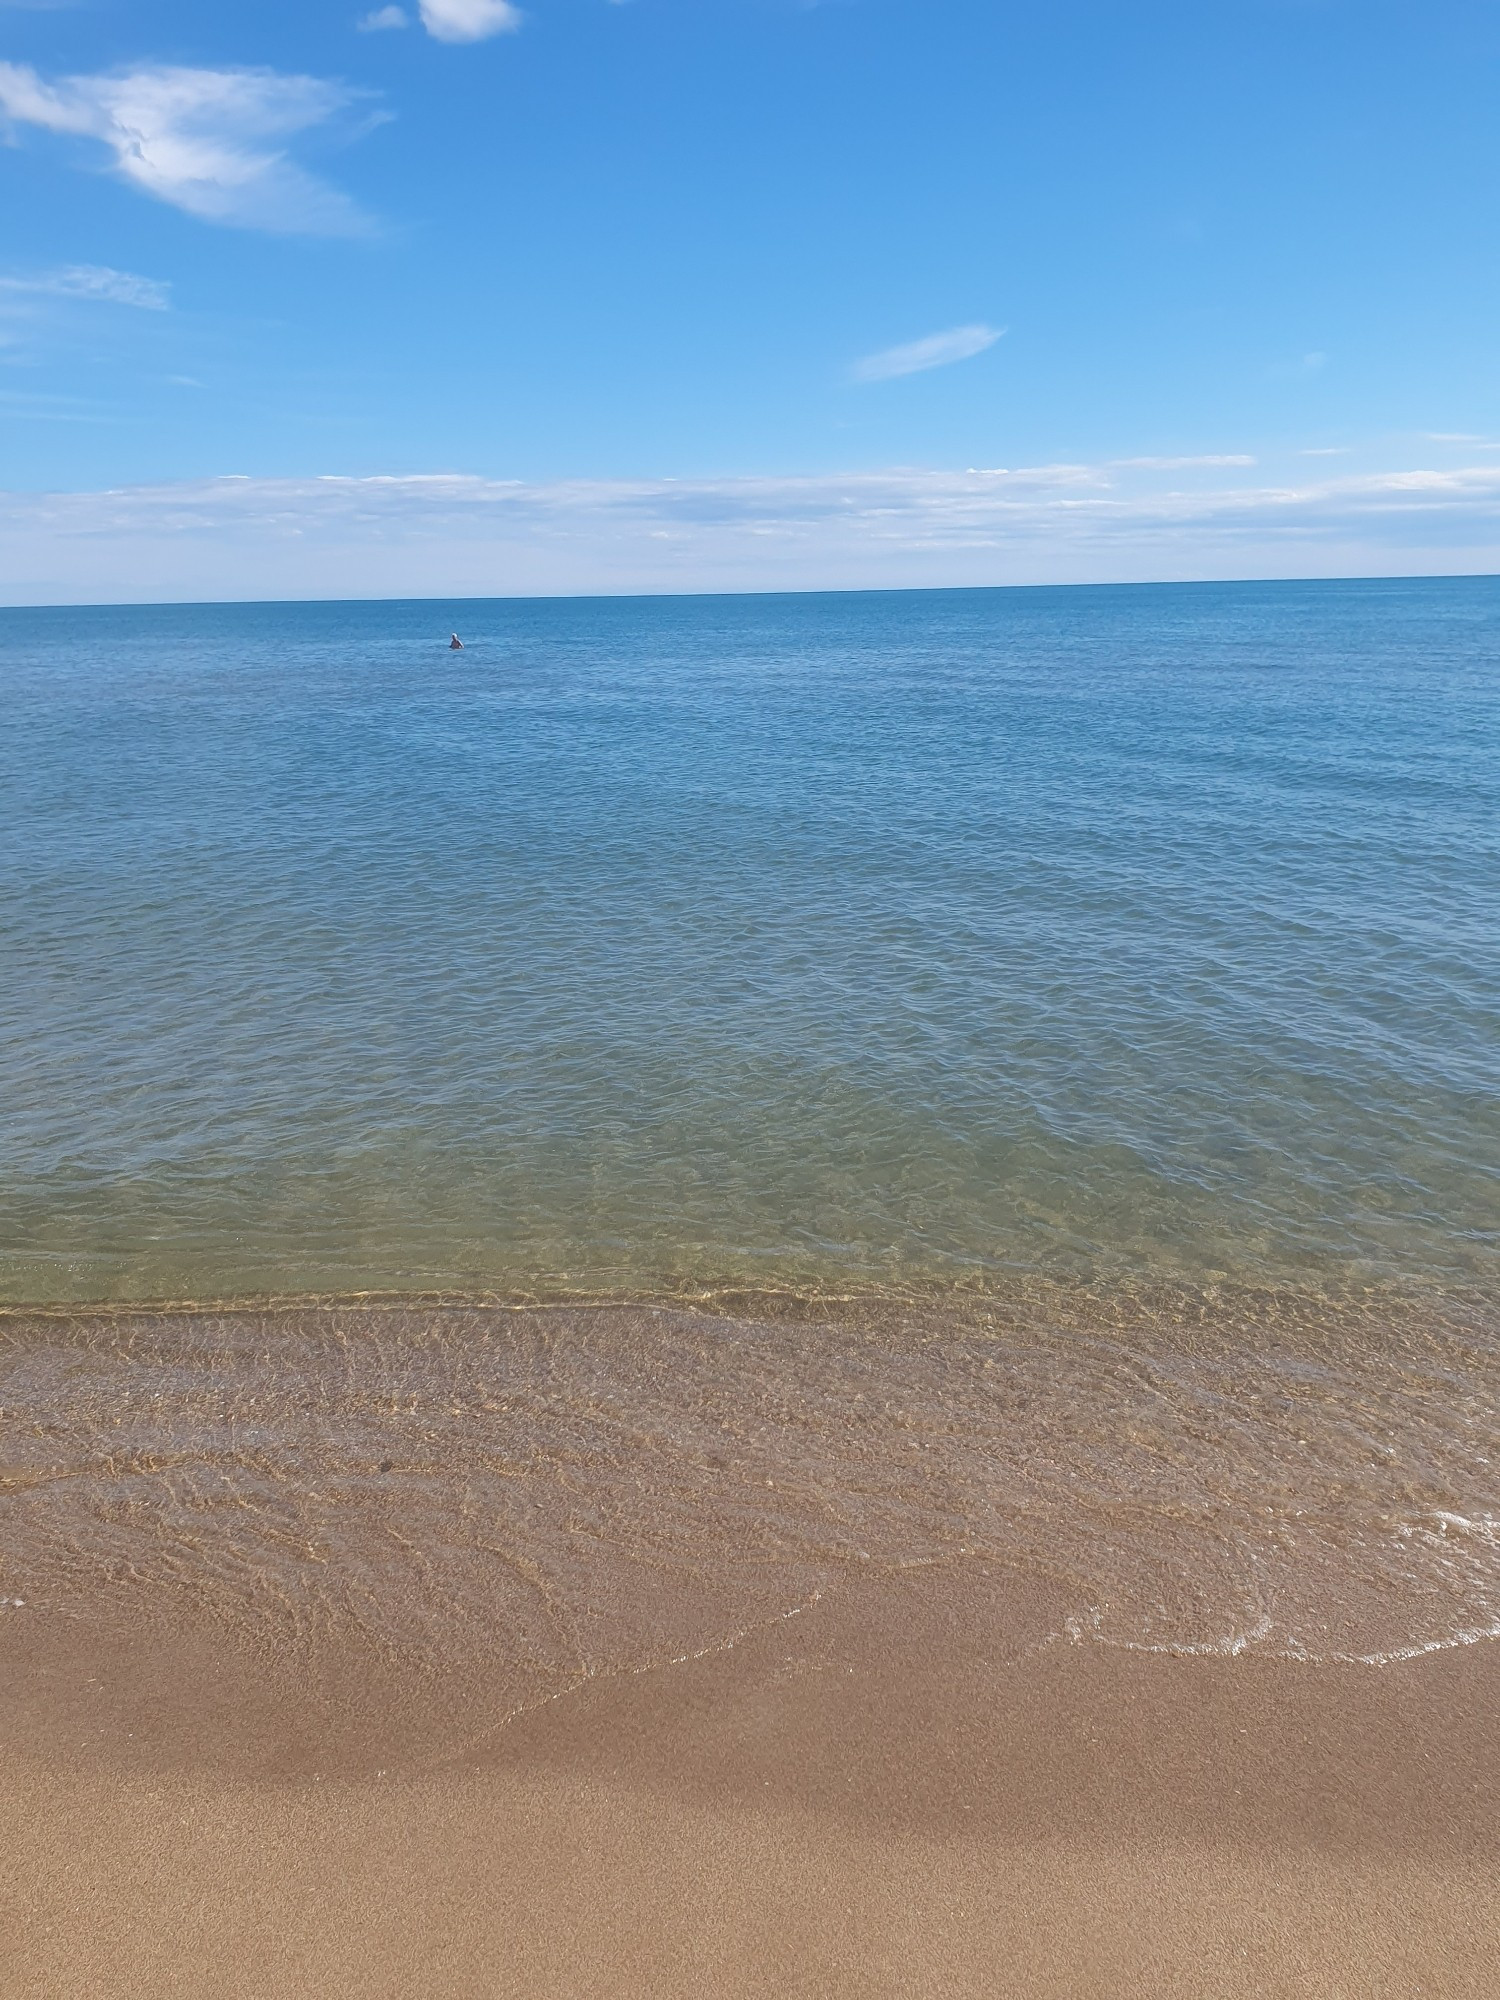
[{"x": 458, "y": 534}]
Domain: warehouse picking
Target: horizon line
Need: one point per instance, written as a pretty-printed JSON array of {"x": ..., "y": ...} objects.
[{"x": 673, "y": 596}]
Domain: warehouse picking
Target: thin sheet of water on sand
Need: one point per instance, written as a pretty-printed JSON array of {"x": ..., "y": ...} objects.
[{"x": 514, "y": 1500}]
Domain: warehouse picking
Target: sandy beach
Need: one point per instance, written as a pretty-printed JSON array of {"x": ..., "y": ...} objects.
[
  {"x": 903, "y": 1789},
  {"x": 640, "y": 1650}
]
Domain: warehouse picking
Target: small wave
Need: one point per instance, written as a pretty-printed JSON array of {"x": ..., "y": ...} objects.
[{"x": 569, "y": 1489}]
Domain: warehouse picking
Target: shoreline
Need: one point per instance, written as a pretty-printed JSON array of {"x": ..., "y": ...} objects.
[
  {"x": 800, "y": 1290},
  {"x": 656, "y": 1650},
  {"x": 617, "y": 1484},
  {"x": 863, "y": 1799}
]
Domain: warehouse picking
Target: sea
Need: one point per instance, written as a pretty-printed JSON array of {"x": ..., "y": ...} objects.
[{"x": 695, "y": 1095}]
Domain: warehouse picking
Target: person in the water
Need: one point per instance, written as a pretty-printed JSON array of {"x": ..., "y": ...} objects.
[{"x": 455, "y": 644}]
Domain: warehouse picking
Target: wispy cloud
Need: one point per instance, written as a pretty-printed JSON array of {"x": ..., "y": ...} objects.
[
  {"x": 936, "y": 350},
  {"x": 202, "y": 139},
  {"x": 469, "y": 20},
  {"x": 1214, "y": 458},
  {"x": 1305, "y": 364},
  {"x": 1474, "y": 438},
  {"x": 456, "y": 533},
  {"x": 382, "y": 18},
  {"x": 91, "y": 281}
]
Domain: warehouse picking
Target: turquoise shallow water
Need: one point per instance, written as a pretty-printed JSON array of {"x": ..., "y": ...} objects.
[{"x": 1100, "y": 933}]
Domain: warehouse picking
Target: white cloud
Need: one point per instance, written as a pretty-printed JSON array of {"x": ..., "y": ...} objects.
[
  {"x": 92, "y": 281},
  {"x": 449, "y": 20},
  {"x": 1183, "y": 464},
  {"x": 201, "y": 139},
  {"x": 469, "y": 20},
  {"x": 460, "y": 534},
  {"x": 937, "y": 350}
]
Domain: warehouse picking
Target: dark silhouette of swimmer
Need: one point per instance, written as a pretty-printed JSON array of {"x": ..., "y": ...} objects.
[{"x": 455, "y": 644}]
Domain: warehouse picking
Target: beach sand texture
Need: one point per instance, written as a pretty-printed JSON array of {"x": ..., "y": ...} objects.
[
  {"x": 270, "y": 1731},
  {"x": 854, "y": 1807}
]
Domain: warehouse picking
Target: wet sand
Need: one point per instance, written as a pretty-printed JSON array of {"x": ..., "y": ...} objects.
[
  {"x": 1067, "y": 1645},
  {"x": 911, "y": 1786}
]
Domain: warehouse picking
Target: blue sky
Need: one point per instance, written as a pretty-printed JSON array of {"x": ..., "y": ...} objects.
[{"x": 721, "y": 275}]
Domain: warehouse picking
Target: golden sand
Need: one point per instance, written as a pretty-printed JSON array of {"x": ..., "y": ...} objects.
[{"x": 907, "y": 1789}]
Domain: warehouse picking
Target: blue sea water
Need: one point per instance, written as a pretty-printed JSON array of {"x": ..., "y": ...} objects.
[
  {"x": 1000, "y": 1074},
  {"x": 809, "y": 941}
]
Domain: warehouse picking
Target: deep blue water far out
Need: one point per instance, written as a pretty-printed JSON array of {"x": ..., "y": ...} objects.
[{"x": 801, "y": 939}]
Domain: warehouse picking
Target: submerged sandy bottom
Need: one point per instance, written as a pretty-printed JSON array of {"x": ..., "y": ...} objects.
[{"x": 1054, "y": 1646}]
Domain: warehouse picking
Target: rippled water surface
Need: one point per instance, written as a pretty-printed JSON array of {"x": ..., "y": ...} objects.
[
  {"x": 984, "y": 1075},
  {"x": 556, "y": 1492},
  {"x": 808, "y": 940}
]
